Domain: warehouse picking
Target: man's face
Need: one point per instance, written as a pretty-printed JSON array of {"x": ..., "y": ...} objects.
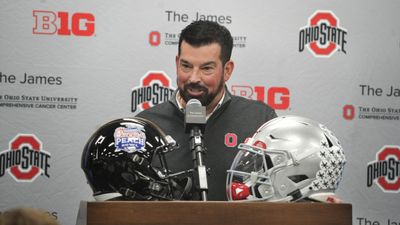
[{"x": 200, "y": 73}]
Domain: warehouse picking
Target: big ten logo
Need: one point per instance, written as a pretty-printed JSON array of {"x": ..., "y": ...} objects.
[
  {"x": 63, "y": 23},
  {"x": 348, "y": 112},
  {"x": 277, "y": 97},
  {"x": 155, "y": 87}
]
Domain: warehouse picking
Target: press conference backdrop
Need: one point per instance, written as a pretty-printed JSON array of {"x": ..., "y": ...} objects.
[{"x": 67, "y": 67}]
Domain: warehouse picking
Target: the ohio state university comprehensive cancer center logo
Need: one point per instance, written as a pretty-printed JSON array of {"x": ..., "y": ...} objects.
[
  {"x": 385, "y": 170},
  {"x": 323, "y": 36},
  {"x": 25, "y": 159},
  {"x": 155, "y": 88}
]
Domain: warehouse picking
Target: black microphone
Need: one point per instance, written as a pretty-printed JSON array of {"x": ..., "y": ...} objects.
[
  {"x": 195, "y": 120},
  {"x": 195, "y": 115}
]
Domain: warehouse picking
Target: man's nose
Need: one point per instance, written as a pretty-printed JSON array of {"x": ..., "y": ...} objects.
[{"x": 195, "y": 76}]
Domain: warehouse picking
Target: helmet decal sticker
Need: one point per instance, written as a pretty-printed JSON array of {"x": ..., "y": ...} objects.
[
  {"x": 332, "y": 165},
  {"x": 130, "y": 139}
]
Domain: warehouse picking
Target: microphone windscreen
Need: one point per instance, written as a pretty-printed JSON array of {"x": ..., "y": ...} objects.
[
  {"x": 195, "y": 114},
  {"x": 193, "y": 102}
]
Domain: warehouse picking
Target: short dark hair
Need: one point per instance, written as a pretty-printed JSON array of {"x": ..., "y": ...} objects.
[{"x": 200, "y": 33}]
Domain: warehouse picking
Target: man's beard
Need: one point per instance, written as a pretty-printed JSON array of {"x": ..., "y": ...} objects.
[{"x": 206, "y": 98}]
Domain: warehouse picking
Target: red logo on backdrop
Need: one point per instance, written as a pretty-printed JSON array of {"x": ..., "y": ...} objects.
[
  {"x": 385, "y": 171},
  {"x": 349, "y": 112},
  {"x": 323, "y": 36},
  {"x": 25, "y": 159},
  {"x": 155, "y": 88},
  {"x": 154, "y": 38},
  {"x": 277, "y": 97},
  {"x": 63, "y": 23}
]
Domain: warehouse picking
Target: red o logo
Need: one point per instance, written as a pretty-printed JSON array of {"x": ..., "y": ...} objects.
[
  {"x": 17, "y": 143},
  {"x": 382, "y": 156},
  {"x": 154, "y": 38},
  {"x": 332, "y": 20},
  {"x": 348, "y": 112},
  {"x": 230, "y": 140},
  {"x": 151, "y": 77}
]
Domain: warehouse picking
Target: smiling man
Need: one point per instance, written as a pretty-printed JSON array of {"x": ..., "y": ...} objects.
[{"x": 203, "y": 66}]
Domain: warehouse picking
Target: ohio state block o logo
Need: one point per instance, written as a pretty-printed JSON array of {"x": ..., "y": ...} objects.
[
  {"x": 314, "y": 20},
  {"x": 323, "y": 35},
  {"x": 155, "y": 88},
  {"x": 17, "y": 143},
  {"x": 348, "y": 112},
  {"x": 383, "y": 155},
  {"x": 152, "y": 77}
]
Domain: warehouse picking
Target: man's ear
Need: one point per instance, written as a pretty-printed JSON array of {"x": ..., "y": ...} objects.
[
  {"x": 176, "y": 62},
  {"x": 228, "y": 69}
]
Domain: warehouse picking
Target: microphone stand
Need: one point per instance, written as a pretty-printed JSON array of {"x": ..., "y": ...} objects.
[
  {"x": 198, "y": 150},
  {"x": 195, "y": 120}
]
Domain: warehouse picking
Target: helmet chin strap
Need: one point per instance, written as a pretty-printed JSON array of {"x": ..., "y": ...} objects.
[
  {"x": 286, "y": 199},
  {"x": 299, "y": 194},
  {"x": 107, "y": 196},
  {"x": 294, "y": 195},
  {"x": 130, "y": 194},
  {"x": 325, "y": 197}
]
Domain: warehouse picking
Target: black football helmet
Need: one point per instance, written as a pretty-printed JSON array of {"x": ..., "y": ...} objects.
[{"x": 125, "y": 160}]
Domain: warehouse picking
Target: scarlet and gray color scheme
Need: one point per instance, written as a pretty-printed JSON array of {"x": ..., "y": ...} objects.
[
  {"x": 25, "y": 160},
  {"x": 289, "y": 158},
  {"x": 229, "y": 127},
  {"x": 67, "y": 68}
]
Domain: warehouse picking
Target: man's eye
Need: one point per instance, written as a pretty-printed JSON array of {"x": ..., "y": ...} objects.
[
  {"x": 208, "y": 69},
  {"x": 185, "y": 67}
]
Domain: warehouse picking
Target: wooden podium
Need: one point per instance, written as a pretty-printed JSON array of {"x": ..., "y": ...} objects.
[{"x": 214, "y": 213}]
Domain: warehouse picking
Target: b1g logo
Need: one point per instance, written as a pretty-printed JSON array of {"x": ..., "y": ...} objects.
[
  {"x": 155, "y": 88},
  {"x": 323, "y": 36},
  {"x": 277, "y": 97},
  {"x": 25, "y": 159},
  {"x": 63, "y": 23},
  {"x": 385, "y": 171}
]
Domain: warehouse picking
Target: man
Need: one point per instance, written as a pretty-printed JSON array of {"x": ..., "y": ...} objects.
[{"x": 203, "y": 66}]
